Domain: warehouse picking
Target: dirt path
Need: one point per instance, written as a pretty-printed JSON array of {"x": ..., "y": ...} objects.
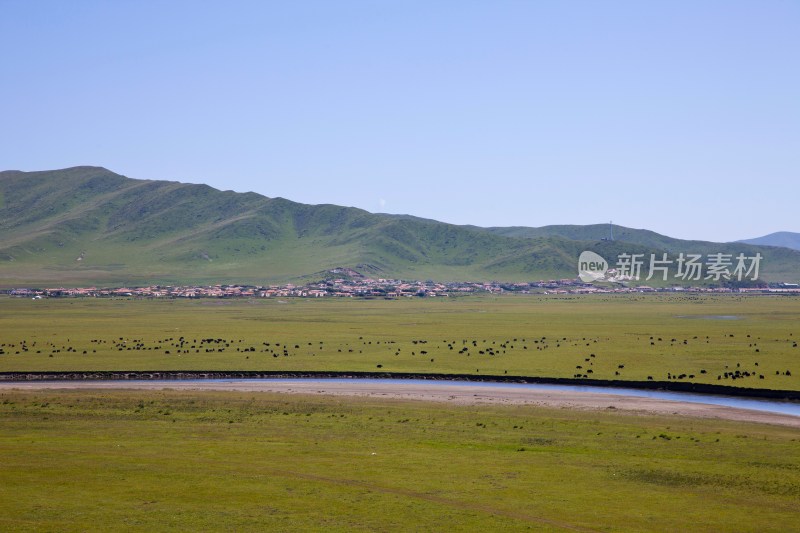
[{"x": 465, "y": 394}]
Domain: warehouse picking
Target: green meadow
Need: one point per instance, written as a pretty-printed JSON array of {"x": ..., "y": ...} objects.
[
  {"x": 191, "y": 461},
  {"x": 744, "y": 341},
  {"x": 83, "y": 460}
]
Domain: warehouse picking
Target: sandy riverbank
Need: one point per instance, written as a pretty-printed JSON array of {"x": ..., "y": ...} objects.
[{"x": 465, "y": 394}]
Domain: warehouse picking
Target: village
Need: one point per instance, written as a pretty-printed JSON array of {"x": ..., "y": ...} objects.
[{"x": 354, "y": 285}]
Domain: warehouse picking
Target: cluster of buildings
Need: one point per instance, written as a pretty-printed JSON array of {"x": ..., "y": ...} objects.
[
  {"x": 362, "y": 288},
  {"x": 357, "y": 286}
]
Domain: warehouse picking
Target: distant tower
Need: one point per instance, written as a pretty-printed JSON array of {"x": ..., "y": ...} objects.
[{"x": 611, "y": 230}]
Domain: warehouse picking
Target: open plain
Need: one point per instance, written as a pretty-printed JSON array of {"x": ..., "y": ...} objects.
[
  {"x": 247, "y": 456},
  {"x": 740, "y": 341},
  {"x": 77, "y": 460}
]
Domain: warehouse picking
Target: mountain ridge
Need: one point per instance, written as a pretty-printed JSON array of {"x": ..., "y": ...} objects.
[
  {"x": 89, "y": 224},
  {"x": 785, "y": 239}
]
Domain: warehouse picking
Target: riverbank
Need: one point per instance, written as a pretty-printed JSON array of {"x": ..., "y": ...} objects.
[
  {"x": 430, "y": 390},
  {"x": 671, "y": 386}
]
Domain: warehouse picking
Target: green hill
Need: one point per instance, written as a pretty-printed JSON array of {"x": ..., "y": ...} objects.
[
  {"x": 88, "y": 225},
  {"x": 596, "y": 232}
]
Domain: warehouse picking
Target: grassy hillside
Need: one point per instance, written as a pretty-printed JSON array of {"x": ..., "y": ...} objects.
[
  {"x": 88, "y": 225},
  {"x": 591, "y": 232},
  {"x": 643, "y": 237}
]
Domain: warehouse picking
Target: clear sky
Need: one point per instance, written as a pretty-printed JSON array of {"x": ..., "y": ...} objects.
[{"x": 682, "y": 117}]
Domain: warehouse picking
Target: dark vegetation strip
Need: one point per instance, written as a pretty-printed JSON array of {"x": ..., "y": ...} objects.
[{"x": 103, "y": 375}]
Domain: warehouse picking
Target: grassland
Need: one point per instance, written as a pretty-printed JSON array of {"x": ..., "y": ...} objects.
[
  {"x": 128, "y": 460},
  {"x": 78, "y": 460},
  {"x": 703, "y": 339}
]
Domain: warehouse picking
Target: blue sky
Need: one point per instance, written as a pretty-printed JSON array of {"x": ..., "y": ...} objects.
[{"x": 682, "y": 117}]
